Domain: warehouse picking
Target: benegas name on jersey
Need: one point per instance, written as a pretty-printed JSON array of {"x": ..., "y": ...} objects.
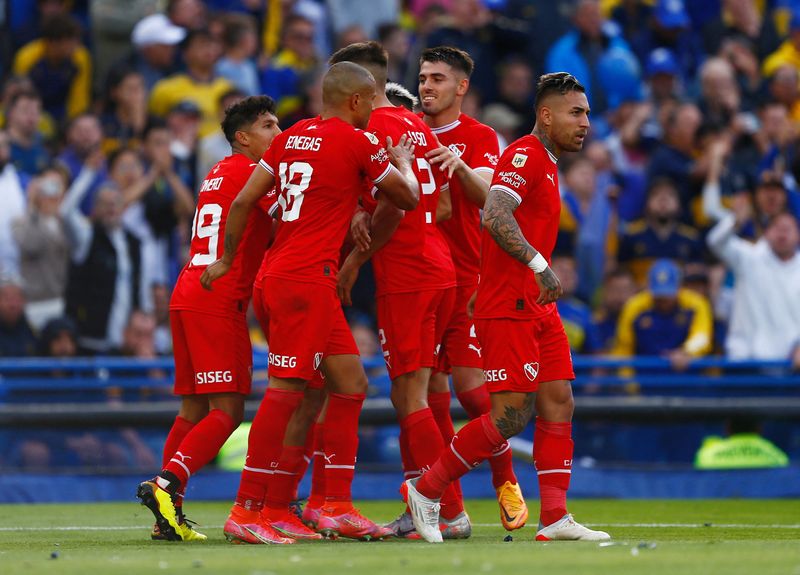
[{"x": 303, "y": 143}]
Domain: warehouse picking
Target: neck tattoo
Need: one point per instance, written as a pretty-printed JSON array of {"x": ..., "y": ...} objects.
[{"x": 546, "y": 142}]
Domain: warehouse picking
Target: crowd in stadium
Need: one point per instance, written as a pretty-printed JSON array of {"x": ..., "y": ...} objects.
[{"x": 110, "y": 117}]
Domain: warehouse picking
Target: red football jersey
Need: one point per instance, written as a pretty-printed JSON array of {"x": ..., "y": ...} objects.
[
  {"x": 417, "y": 256},
  {"x": 527, "y": 172},
  {"x": 222, "y": 184},
  {"x": 319, "y": 167},
  {"x": 476, "y": 144}
]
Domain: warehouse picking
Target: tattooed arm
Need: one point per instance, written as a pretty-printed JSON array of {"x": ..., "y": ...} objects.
[
  {"x": 259, "y": 183},
  {"x": 499, "y": 221}
]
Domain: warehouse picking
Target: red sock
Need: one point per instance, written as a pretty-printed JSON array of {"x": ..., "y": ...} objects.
[
  {"x": 180, "y": 428},
  {"x": 317, "y": 497},
  {"x": 279, "y": 493},
  {"x": 440, "y": 406},
  {"x": 265, "y": 445},
  {"x": 502, "y": 466},
  {"x": 426, "y": 447},
  {"x": 410, "y": 470},
  {"x": 200, "y": 445},
  {"x": 308, "y": 453},
  {"x": 341, "y": 445},
  {"x": 552, "y": 457},
  {"x": 476, "y": 401},
  {"x": 474, "y": 443}
]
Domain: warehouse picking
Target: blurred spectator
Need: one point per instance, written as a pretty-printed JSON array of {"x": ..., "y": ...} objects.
[
  {"x": 669, "y": 27},
  {"x": 124, "y": 113},
  {"x": 188, "y": 14},
  {"x": 742, "y": 19},
  {"x": 310, "y": 98},
  {"x": 674, "y": 157},
  {"x": 765, "y": 319},
  {"x": 742, "y": 448},
  {"x": 213, "y": 147},
  {"x": 515, "y": 92},
  {"x": 784, "y": 87},
  {"x": 183, "y": 123},
  {"x": 60, "y": 67},
  {"x": 575, "y": 315},
  {"x": 618, "y": 288},
  {"x": 106, "y": 277},
  {"x": 59, "y": 338},
  {"x": 739, "y": 52},
  {"x": 586, "y": 228},
  {"x": 154, "y": 40},
  {"x": 366, "y": 13},
  {"x": 502, "y": 120},
  {"x": 84, "y": 144},
  {"x": 199, "y": 84},
  {"x": 665, "y": 320},
  {"x": 297, "y": 56},
  {"x": 664, "y": 76},
  {"x": 351, "y": 35},
  {"x": 788, "y": 52},
  {"x": 660, "y": 234},
  {"x": 12, "y": 86},
  {"x": 582, "y": 50},
  {"x": 30, "y": 28},
  {"x": 28, "y": 151},
  {"x": 240, "y": 45},
  {"x": 719, "y": 93},
  {"x": 12, "y": 206},
  {"x": 138, "y": 339},
  {"x": 16, "y": 335},
  {"x": 396, "y": 41},
  {"x": 43, "y": 248},
  {"x": 162, "y": 338}
]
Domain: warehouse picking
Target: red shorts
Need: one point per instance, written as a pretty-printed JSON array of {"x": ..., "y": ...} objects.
[
  {"x": 303, "y": 323},
  {"x": 518, "y": 354},
  {"x": 410, "y": 328},
  {"x": 460, "y": 345},
  {"x": 212, "y": 353}
]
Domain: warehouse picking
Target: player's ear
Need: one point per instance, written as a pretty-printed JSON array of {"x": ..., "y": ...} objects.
[
  {"x": 463, "y": 86},
  {"x": 546, "y": 115},
  {"x": 242, "y": 137},
  {"x": 355, "y": 98}
]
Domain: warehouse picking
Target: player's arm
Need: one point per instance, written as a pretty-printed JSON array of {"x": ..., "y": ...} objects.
[
  {"x": 444, "y": 207},
  {"x": 499, "y": 221},
  {"x": 259, "y": 183},
  {"x": 475, "y": 183},
  {"x": 385, "y": 220},
  {"x": 400, "y": 185}
]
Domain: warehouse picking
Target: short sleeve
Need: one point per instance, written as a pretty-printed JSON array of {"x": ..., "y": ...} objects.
[
  {"x": 372, "y": 155},
  {"x": 518, "y": 172},
  {"x": 267, "y": 161},
  {"x": 269, "y": 203}
]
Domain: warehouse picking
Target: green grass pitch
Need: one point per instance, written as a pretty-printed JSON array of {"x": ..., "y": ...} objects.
[{"x": 725, "y": 537}]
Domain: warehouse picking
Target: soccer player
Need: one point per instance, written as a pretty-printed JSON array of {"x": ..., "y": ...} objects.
[
  {"x": 526, "y": 355},
  {"x": 415, "y": 282},
  {"x": 468, "y": 152},
  {"x": 213, "y": 357},
  {"x": 318, "y": 167}
]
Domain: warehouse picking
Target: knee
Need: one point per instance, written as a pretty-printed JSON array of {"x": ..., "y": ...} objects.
[{"x": 555, "y": 402}]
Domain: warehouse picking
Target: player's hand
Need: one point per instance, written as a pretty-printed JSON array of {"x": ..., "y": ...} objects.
[
  {"x": 549, "y": 286},
  {"x": 471, "y": 304},
  {"x": 448, "y": 159},
  {"x": 360, "y": 229},
  {"x": 347, "y": 276},
  {"x": 213, "y": 272},
  {"x": 402, "y": 152}
]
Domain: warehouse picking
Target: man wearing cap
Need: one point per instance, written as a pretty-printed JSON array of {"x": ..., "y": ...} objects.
[
  {"x": 665, "y": 319},
  {"x": 154, "y": 39}
]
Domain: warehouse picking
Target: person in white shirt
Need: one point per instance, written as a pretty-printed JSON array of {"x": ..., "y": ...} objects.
[{"x": 765, "y": 320}]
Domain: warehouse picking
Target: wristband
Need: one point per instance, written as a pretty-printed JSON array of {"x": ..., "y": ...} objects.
[{"x": 538, "y": 264}]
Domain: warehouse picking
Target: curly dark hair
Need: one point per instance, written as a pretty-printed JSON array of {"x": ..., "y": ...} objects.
[
  {"x": 556, "y": 83},
  {"x": 244, "y": 113}
]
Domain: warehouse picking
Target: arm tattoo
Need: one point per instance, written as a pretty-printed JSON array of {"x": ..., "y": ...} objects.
[
  {"x": 499, "y": 220},
  {"x": 515, "y": 419}
]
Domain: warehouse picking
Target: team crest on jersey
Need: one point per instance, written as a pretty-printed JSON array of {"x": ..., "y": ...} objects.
[
  {"x": 373, "y": 139},
  {"x": 458, "y": 149},
  {"x": 317, "y": 360},
  {"x": 519, "y": 160},
  {"x": 531, "y": 370}
]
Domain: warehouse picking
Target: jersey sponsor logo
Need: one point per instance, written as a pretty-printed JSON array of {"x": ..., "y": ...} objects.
[
  {"x": 519, "y": 160},
  {"x": 418, "y": 138},
  {"x": 458, "y": 149},
  {"x": 513, "y": 179},
  {"x": 206, "y": 377},
  {"x": 551, "y": 178},
  {"x": 373, "y": 139},
  {"x": 211, "y": 185},
  {"x": 495, "y": 375},
  {"x": 531, "y": 370},
  {"x": 282, "y": 360},
  {"x": 303, "y": 143},
  {"x": 492, "y": 158},
  {"x": 381, "y": 156}
]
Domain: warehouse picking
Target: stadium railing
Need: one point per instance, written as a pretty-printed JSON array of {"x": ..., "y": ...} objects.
[{"x": 113, "y": 390}]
